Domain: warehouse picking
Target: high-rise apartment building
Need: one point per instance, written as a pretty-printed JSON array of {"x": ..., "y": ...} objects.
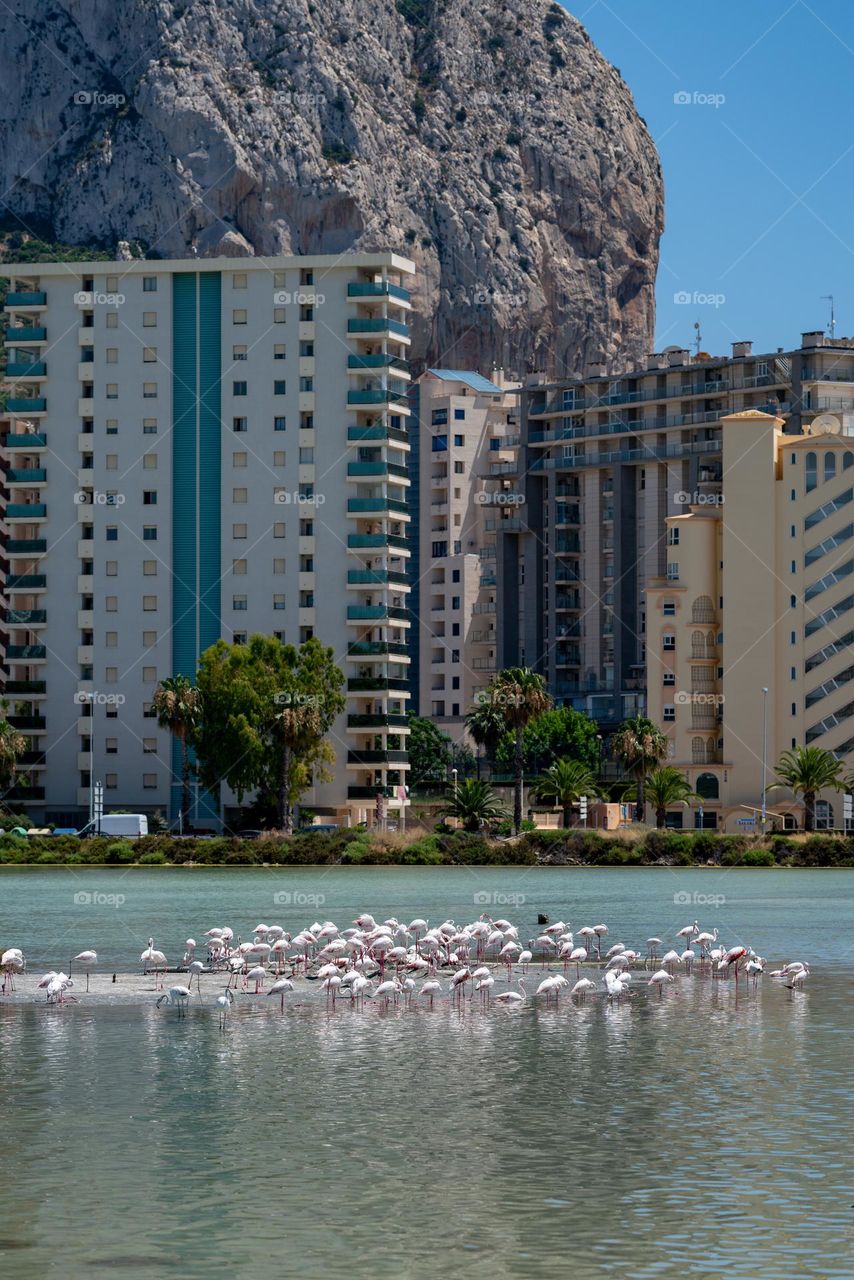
[
  {"x": 468, "y": 437},
  {"x": 202, "y": 449},
  {"x": 750, "y": 629},
  {"x": 604, "y": 461}
]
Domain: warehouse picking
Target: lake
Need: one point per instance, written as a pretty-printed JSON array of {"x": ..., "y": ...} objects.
[{"x": 698, "y": 1134}]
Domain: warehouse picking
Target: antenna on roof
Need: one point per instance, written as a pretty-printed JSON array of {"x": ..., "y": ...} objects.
[
  {"x": 831, "y": 328},
  {"x": 698, "y": 338}
]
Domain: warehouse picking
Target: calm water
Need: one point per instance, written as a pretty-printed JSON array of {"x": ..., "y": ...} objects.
[{"x": 697, "y": 1135}]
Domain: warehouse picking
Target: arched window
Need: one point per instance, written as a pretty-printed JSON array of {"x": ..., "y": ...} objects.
[
  {"x": 829, "y": 465},
  {"x": 710, "y": 645},
  {"x": 698, "y": 644},
  {"x": 847, "y": 460},
  {"x": 703, "y": 609},
  {"x": 811, "y": 469},
  {"x": 707, "y": 786},
  {"x": 698, "y": 751}
]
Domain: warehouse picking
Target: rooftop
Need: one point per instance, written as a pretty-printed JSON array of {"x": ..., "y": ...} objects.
[{"x": 475, "y": 381}]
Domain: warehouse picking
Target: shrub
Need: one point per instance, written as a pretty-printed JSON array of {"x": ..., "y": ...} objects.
[
  {"x": 120, "y": 851},
  {"x": 156, "y": 857}
]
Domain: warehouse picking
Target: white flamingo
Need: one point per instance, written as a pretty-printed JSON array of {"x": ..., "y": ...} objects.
[
  {"x": 513, "y": 999},
  {"x": 659, "y": 980},
  {"x": 224, "y": 1003},
  {"x": 430, "y": 988},
  {"x": 156, "y": 959},
  {"x": 279, "y": 988},
  {"x": 11, "y": 962},
  {"x": 87, "y": 959},
  {"x": 582, "y": 987},
  {"x": 177, "y": 997}
]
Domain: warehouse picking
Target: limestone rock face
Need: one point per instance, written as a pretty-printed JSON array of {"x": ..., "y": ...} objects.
[{"x": 490, "y": 142}]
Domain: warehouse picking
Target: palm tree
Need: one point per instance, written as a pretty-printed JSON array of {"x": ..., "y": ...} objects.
[
  {"x": 178, "y": 704},
  {"x": 474, "y": 803},
  {"x": 12, "y": 745},
  {"x": 806, "y": 771},
  {"x": 520, "y": 695},
  {"x": 298, "y": 722},
  {"x": 666, "y": 787},
  {"x": 640, "y": 746},
  {"x": 564, "y": 784},
  {"x": 486, "y": 728}
]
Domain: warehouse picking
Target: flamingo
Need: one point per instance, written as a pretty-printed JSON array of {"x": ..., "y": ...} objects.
[
  {"x": 734, "y": 956},
  {"x": 430, "y": 988},
  {"x": 224, "y": 1003},
  {"x": 156, "y": 959},
  {"x": 484, "y": 986},
  {"x": 587, "y": 933},
  {"x": 279, "y": 988},
  {"x": 11, "y": 962},
  {"x": 548, "y": 988},
  {"x": 195, "y": 967},
  {"x": 257, "y": 974},
  {"x": 688, "y": 930},
  {"x": 652, "y": 948},
  {"x": 601, "y": 931},
  {"x": 189, "y": 950},
  {"x": 57, "y": 987},
  {"x": 798, "y": 979},
  {"x": 578, "y": 955},
  {"x": 753, "y": 968},
  {"x": 459, "y": 980},
  {"x": 581, "y": 988},
  {"x": 86, "y": 958},
  {"x": 615, "y": 984},
  {"x": 388, "y": 989},
  {"x": 659, "y": 979},
  {"x": 513, "y": 998},
  {"x": 178, "y": 997},
  {"x": 524, "y": 959}
]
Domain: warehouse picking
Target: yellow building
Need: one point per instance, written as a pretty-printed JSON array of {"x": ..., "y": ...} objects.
[{"x": 749, "y": 633}]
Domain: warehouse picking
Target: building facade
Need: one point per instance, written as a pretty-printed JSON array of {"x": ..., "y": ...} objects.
[
  {"x": 749, "y": 631},
  {"x": 604, "y": 461},
  {"x": 468, "y": 438},
  {"x": 193, "y": 450}
]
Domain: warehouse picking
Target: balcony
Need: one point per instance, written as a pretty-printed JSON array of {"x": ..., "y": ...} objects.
[
  {"x": 383, "y": 506},
  {"x": 16, "y": 334},
  {"x": 376, "y": 289},
  {"x": 367, "y": 541},
  {"x": 24, "y": 441},
  {"x": 34, "y": 369},
  {"x": 362, "y": 720},
  {"x": 376, "y": 613},
  {"x": 23, "y": 406},
  {"x": 377, "y": 649},
  {"x": 391, "y": 435},
  {"x": 26, "y": 582},
  {"x": 377, "y": 324},
  {"x": 23, "y": 794},
  {"x": 27, "y": 722},
  {"x": 379, "y": 469},
  {"x": 378, "y": 360},
  {"x": 378, "y": 395},
  {"x": 25, "y": 546},
  {"x": 369, "y": 793},
  {"x": 377, "y": 757},
  {"x": 379, "y": 684},
  {"x": 377, "y": 578},
  {"x": 25, "y": 686},
  {"x": 25, "y": 652},
  {"x": 35, "y": 759},
  {"x": 26, "y": 511},
  {"x": 25, "y": 617},
  {"x": 36, "y": 298},
  {"x": 26, "y": 475}
]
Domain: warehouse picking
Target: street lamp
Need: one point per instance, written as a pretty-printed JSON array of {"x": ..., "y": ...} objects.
[
  {"x": 454, "y": 772},
  {"x": 764, "y": 757}
]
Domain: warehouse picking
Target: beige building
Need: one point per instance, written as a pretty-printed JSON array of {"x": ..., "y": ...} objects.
[
  {"x": 749, "y": 630},
  {"x": 468, "y": 441}
]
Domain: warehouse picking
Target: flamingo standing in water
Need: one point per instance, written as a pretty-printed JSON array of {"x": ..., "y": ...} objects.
[
  {"x": 431, "y": 988},
  {"x": 195, "y": 967},
  {"x": 734, "y": 956},
  {"x": 659, "y": 979},
  {"x": 279, "y": 988},
  {"x": 156, "y": 959},
  {"x": 513, "y": 998},
  {"x": 177, "y": 997},
  {"x": 11, "y": 962},
  {"x": 224, "y": 1003},
  {"x": 582, "y": 986},
  {"x": 87, "y": 959}
]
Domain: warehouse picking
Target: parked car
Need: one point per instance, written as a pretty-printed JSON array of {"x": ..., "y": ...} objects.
[{"x": 131, "y": 825}]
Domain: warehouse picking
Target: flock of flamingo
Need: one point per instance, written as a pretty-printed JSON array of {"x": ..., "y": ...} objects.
[{"x": 384, "y": 962}]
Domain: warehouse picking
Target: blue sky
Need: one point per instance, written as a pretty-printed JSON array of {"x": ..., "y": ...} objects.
[{"x": 758, "y": 163}]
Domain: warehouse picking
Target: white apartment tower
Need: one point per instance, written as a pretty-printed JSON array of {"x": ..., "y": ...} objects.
[{"x": 193, "y": 450}]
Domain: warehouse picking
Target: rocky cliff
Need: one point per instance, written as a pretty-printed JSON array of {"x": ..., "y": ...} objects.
[{"x": 490, "y": 142}]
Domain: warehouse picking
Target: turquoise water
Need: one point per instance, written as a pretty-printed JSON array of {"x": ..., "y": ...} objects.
[{"x": 698, "y": 1135}]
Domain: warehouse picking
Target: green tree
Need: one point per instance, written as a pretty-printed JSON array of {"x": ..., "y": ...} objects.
[
  {"x": 12, "y": 745},
  {"x": 640, "y": 746},
  {"x": 268, "y": 707},
  {"x": 666, "y": 787},
  {"x": 558, "y": 734},
  {"x": 807, "y": 771},
  {"x": 563, "y": 785},
  {"x": 486, "y": 728},
  {"x": 474, "y": 804},
  {"x": 178, "y": 704},
  {"x": 521, "y": 696},
  {"x": 429, "y": 752}
]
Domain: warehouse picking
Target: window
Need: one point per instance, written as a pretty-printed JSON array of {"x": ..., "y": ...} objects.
[
  {"x": 111, "y": 462},
  {"x": 111, "y": 746},
  {"x": 459, "y": 468},
  {"x": 279, "y": 279},
  {"x": 112, "y": 675},
  {"x": 112, "y": 568},
  {"x": 238, "y": 388},
  {"x": 112, "y": 320},
  {"x": 306, "y": 350},
  {"x": 239, "y": 459},
  {"x": 238, "y": 317},
  {"x": 306, "y": 314},
  {"x": 111, "y": 639},
  {"x": 455, "y": 628},
  {"x": 306, "y": 455},
  {"x": 811, "y": 469},
  {"x": 279, "y": 566},
  {"x": 149, "y": 603},
  {"x": 239, "y": 531},
  {"x": 305, "y": 384},
  {"x": 673, "y": 536},
  {"x": 239, "y": 603},
  {"x": 669, "y": 609},
  {"x": 149, "y": 355},
  {"x": 112, "y": 533},
  {"x": 439, "y": 443},
  {"x": 279, "y": 424},
  {"x": 455, "y": 575},
  {"x": 707, "y": 786},
  {"x": 455, "y": 602},
  {"x": 239, "y": 353},
  {"x": 149, "y": 711},
  {"x": 149, "y": 498},
  {"x": 112, "y": 426},
  {"x": 238, "y": 566},
  {"x": 668, "y": 678},
  {"x": 306, "y": 528},
  {"x": 112, "y": 355},
  {"x": 459, "y": 441},
  {"x": 111, "y": 781},
  {"x": 279, "y": 457},
  {"x": 238, "y": 495},
  {"x": 673, "y": 571},
  {"x": 306, "y": 276},
  {"x": 111, "y": 604},
  {"x": 460, "y": 415},
  {"x": 279, "y": 530},
  {"x": 112, "y": 391},
  {"x": 306, "y": 599},
  {"x": 306, "y": 422},
  {"x": 149, "y": 461},
  {"x": 238, "y": 280},
  {"x": 439, "y": 549},
  {"x": 669, "y": 713},
  {"x": 149, "y": 284},
  {"x": 280, "y": 315},
  {"x": 149, "y": 319},
  {"x": 149, "y": 426},
  {"x": 149, "y": 638},
  {"x": 112, "y": 284},
  {"x": 439, "y": 418},
  {"x": 238, "y": 424},
  {"x": 279, "y": 351},
  {"x": 149, "y": 568},
  {"x": 149, "y": 746},
  {"x": 149, "y": 391},
  {"x": 279, "y": 387},
  {"x": 829, "y": 466},
  {"x": 149, "y": 782},
  {"x": 668, "y": 641},
  {"x": 278, "y": 602}
]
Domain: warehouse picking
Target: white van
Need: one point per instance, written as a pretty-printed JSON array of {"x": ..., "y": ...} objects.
[{"x": 118, "y": 824}]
